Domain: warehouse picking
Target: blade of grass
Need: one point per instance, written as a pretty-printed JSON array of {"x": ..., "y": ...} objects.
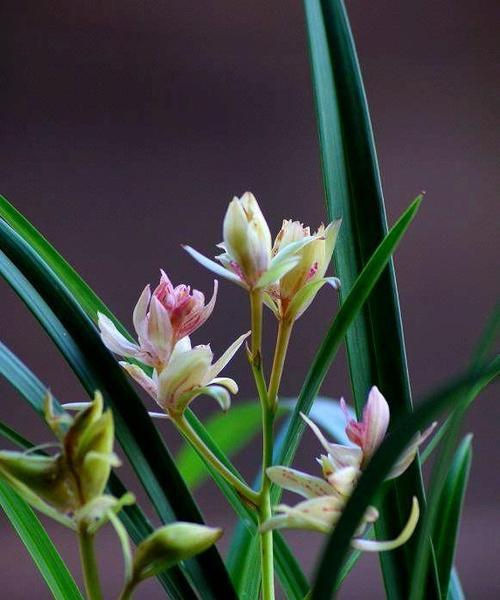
[
  {"x": 80, "y": 344},
  {"x": 288, "y": 569},
  {"x": 43, "y": 552},
  {"x": 449, "y": 512},
  {"x": 337, "y": 544},
  {"x": 138, "y": 526},
  {"x": 375, "y": 345}
]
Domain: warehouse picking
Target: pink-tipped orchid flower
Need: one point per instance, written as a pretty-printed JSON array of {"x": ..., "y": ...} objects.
[
  {"x": 369, "y": 433},
  {"x": 160, "y": 320},
  {"x": 342, "y": 467},
  {"x": 188, "y": 374}
]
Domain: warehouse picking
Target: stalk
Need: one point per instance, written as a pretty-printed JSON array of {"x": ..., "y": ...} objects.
[
  {"x": 264, "y": 505},
  {"x": 89, "y": 565},
  {"x": 192, "y": 437}
]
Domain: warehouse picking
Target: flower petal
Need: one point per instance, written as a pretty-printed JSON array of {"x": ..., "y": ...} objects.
[
  {"x": 376, "y": 417},
  {"x": 344, "y": 480},
  {"x": 403, "y": 537},
  {"x": 139, "y": 316},
  {"x": 114, "y": 340},
  {"x": 217, "y": 367},
  {"x": 306, "y": 295},
  {"x": 338, "y": 456},
  {"x": 146, "y": 382},
  {"x": 405, "y": 460},
  {"x": 317, "y": 514},
  {"x": 217, "y": 392},
  {"x": 301, "y": 483},
  {"x": 213, "y": 266},
  {"x": 277, "y": 269},
  {"x": 160, "y": 333},
  {"x": 227, "y": 382}
]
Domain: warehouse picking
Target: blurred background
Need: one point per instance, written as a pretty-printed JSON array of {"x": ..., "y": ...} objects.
[{"x": 126, "y": 128}]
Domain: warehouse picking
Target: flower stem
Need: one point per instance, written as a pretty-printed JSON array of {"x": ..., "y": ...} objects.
[
  {"x": 266, "y": 544},
  {"x": 89, "y": 564},
  {"x": 199, "y": 445},
  {"x": 283, "y": 339},
  {"x": 264, "y": 512}
]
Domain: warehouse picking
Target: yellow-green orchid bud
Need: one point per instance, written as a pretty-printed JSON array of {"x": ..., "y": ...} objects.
[
  {"x": 169, "y": 545},
  {"x": 88, "y": 449}
]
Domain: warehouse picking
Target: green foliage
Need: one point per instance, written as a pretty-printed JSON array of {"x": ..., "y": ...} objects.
[
  {"x": 353, "y": 190},
  {"x": 39, "y": 545},
  {"x": 327, "y": 575},
  {"x": 449, "y": 512}
]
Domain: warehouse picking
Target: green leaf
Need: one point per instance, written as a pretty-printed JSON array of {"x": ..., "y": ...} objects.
[
  {"x": 375, "y": 346},
  {"x": 39, "y": 545},
  {"x": 91, "y": 303},
  {"x": 138, "y": 527},
  {"x": 449, "y": 512},
  {"x": 14, "y": 437},
  {"x": 338, "y": 543},
  {"x": 79, "y": 342},
  {"x": 231, "y": 431}
]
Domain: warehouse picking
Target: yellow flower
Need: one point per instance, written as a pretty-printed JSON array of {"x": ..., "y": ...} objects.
[{"x": 290, "y": 296}]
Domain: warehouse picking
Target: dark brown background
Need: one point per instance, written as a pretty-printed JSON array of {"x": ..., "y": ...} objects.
[{"x": 127, "y": 126}]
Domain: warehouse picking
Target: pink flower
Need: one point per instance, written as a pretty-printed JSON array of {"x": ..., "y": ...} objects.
[
  {"x": 369, "y": 433},
  {"x": 160, "y": 320}
]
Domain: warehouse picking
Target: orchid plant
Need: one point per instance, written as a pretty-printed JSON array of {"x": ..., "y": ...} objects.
[{"x": 366, "y": 495}]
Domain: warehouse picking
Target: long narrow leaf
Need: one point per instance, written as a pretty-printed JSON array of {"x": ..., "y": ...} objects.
[
  {"x": 37, "y": 542},
  {"x": 80, "y": 344},
  {"x": 337, "y": 545},
  {"x": 449, "y": 512},
  {"x": 353, "y": 190}
]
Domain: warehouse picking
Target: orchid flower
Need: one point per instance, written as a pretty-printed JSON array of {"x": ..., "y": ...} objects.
[
  {"x": 368, "y": 433},
  {"x": 248, "y": 259},
  {"x": 290, "y": 296},
  {"x": 188, "y": 374},
  {"x": 342, "y": 466},
  {"x": 160, "y": 320}
]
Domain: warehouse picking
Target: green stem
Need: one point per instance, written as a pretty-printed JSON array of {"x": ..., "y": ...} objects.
[
  {"x": 89, "y": 565},
  {"x": 284, "y": 333},
  {"x": 197, "y": 443},
  {"x": 128, "y": 590},
  {"x": 264, "y": 512}
]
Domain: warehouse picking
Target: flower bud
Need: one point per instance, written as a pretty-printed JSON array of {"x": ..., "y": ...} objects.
[
  {"x": 247, "y": 239},
  {"x": 169, "y": 545},
  {"x": 88, "y": 447}
]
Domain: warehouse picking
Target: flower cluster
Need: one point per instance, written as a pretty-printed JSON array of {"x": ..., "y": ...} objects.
[
  {"x": 163, "y": 321},
  {"x": 290, "y": 272},
  {"x": 342, "y": 466}
]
